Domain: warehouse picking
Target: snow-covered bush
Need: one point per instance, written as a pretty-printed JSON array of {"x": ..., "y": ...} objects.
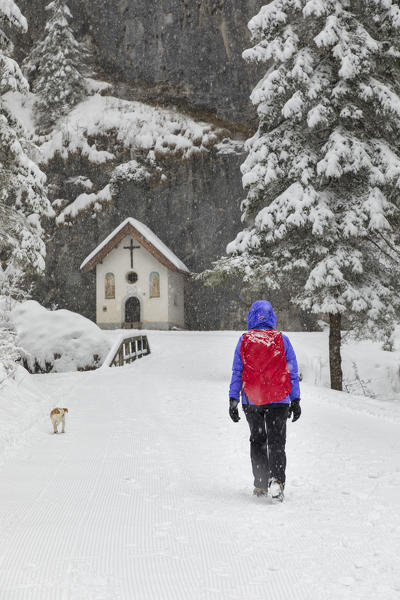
[{"x": 57, "y": 341}]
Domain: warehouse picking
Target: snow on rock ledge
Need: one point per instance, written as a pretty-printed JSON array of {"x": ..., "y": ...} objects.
[
  {"x": 57, "y": 341},
  {"x": 136, "y": 126},
  {"x": 84, "y": 202}
]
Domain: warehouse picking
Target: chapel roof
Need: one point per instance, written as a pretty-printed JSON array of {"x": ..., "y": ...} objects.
[{"x": 145, "y": 237}]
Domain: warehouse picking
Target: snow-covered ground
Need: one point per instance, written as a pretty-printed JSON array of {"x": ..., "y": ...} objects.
[{"x": 148, "y": 494}]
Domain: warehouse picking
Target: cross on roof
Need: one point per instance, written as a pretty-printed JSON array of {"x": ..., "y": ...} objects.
[{"x": 131, "y": 248}]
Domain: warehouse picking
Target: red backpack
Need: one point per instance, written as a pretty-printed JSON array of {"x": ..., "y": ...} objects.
[{"x": 265, "y": 376}]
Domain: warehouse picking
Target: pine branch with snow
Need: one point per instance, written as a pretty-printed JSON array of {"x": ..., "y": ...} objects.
[
  {"x": 322, "y": 174},
  {"x": 23, "y": 199}
]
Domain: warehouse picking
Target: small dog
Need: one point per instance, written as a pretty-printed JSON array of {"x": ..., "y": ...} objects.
[{"x": 57, "y": 416}]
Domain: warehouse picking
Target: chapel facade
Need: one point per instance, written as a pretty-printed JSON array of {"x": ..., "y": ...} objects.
[{"x": 139, "y": 280}]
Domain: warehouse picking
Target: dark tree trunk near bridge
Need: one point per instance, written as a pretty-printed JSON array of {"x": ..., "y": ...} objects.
[{"x": 335, "y": 357}]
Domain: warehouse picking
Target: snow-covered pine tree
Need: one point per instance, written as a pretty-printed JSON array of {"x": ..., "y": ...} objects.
[
  {"x": 56, "y": 68},
  {"x": 322, "y": 175},
  {"x": 23, "y": 200}
]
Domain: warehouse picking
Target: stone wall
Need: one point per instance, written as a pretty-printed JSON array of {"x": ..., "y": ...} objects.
[{"x": 177, "y": 52}]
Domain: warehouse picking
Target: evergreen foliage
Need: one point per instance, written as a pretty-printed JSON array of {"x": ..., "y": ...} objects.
[
  {"x": 323, "y": 171},
  {"x": 57, "y": 68},
  {"x": 23, "y": 200}
]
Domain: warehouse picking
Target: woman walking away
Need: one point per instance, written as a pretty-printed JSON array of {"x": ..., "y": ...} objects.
[{"x": 265, "y": 375}]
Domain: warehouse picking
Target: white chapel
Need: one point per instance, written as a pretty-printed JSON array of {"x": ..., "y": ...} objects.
[{"x": 139, "y": 280}]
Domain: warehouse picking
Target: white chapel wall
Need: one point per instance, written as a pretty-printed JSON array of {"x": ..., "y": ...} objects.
[
  {"x": 176, "y": 314},
  {"x": 154, "y": 311}
]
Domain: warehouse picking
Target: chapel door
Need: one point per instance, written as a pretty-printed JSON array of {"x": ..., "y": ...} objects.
[{"x": 132, "y": 313}]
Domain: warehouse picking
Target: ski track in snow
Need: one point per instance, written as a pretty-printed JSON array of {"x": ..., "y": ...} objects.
[{"x": 148, "y": 495}]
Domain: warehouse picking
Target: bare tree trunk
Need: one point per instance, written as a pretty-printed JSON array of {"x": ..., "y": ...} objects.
[{"x": 335, "y": 358}]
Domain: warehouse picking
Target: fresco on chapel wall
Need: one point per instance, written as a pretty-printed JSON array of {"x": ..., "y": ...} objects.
[
  {"x": 109, "y": 286},
  {"x": 154, "y": 285}
]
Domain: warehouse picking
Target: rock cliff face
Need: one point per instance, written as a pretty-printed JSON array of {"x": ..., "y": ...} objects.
[{"x": 181, "y": 52}]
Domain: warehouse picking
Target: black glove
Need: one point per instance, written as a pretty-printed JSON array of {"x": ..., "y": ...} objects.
[
  {"x": 294, "y": 409},
  {"x": 233, "y": 410}
]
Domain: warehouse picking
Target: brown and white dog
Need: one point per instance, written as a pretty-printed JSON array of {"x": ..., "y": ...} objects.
[{"x": 57, "y": 416}]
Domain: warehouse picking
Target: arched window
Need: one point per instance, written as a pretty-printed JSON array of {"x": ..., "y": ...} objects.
[
  {"x": 154, "y": 284},
  {"x": 109, "y": 286}
]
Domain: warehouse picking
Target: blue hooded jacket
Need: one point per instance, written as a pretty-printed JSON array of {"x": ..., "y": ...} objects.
[{"x": 261, "y": 316}]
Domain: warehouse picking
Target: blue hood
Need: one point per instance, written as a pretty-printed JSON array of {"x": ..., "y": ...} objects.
[{"x": 261, "y": 315}]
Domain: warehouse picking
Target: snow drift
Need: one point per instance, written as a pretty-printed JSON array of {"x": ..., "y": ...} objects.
[{"x": 57, "y": 341}]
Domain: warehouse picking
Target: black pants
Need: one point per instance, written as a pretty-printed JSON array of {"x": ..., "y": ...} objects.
[{"x": 267, "y": 441}]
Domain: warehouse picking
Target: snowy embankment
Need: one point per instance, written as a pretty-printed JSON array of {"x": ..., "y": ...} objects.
[{"x": 148, "y": 494}]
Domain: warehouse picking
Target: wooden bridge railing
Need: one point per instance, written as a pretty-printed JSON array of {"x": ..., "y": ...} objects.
[{"x": 126, "y": 350}]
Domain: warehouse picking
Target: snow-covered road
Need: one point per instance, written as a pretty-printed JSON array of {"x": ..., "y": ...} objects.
[{"x": 148, "y": 494}]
